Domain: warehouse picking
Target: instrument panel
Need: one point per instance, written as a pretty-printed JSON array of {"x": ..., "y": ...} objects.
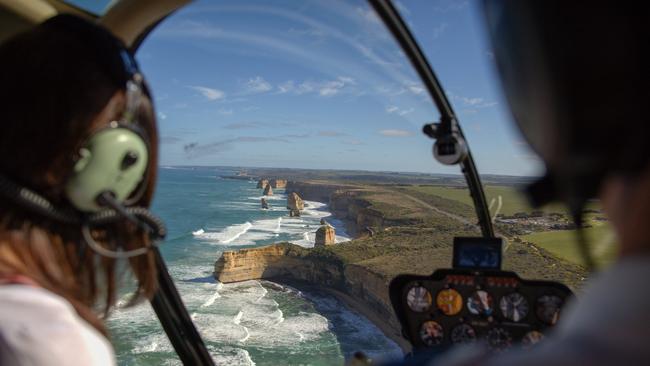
[{"x": 461, "y": 306}]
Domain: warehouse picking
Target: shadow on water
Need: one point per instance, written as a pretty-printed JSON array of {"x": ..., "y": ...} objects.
[{"x": 206, "y": 279}]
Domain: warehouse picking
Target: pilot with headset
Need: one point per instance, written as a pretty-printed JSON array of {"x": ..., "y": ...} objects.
[
  {"x": 78, "y": 157},
  {"x": 576, "y": 77}
]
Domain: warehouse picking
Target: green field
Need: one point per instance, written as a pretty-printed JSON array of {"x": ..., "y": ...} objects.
[
  {"x": 512, "y": 200},
  {"x": 563, "y": 244}
]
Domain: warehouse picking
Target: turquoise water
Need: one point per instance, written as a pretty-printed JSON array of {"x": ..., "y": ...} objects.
[{"x": 248, "y": 323}]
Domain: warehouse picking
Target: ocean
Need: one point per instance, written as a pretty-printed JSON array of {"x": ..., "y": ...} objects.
[{"x": 247, "y": 323}]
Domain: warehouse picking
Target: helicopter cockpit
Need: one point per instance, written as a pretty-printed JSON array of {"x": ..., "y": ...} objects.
[{"x": 471, "y": 301}]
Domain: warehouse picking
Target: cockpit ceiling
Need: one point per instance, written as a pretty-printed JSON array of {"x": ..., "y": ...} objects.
[{"x": 127, "y": 19}]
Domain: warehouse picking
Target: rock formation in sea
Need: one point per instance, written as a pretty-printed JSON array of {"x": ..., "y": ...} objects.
[
  {"x": 265, "y": 204},
  {"x": 278, "y": 183},
  {"x": 268, "y": 191},
  {"x": 295, "y": 204},
  {"x": 325, "y": 235},
  {"x": 262, "y": 183}
]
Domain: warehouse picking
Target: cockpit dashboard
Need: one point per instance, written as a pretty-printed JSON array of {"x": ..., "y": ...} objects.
[{"x": 476, "y": 301}]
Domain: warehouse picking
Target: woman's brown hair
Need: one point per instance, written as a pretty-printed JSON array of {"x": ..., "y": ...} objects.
[{"x": 56, "y": 79}]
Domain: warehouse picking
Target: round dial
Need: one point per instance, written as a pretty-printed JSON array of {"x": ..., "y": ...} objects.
[
  {"x": 431, "y": 333},
  {"x": 418, "y": 299},
  {"x": 449, "y": 301},
  {"x": 498, "y": 339},
  {"x": 514, "y": 306},
  {"x": 463, "y": 333},
  {"x": 548, "y": 308},
  {"x": 480, "y": 303},
  {"x": 531, "y": 338}
]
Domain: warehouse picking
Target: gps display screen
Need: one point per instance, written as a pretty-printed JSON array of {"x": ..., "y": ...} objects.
[{"x": 477, "y": 253}]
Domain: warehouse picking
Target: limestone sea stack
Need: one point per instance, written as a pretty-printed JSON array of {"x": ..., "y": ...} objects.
[
  {"x": 295, "y": 204},
  {"x": 265, "y": 205},
  {"x": 325, "y": 235},
  {"x": 262, "y": 183},
  {"x": 268, "y": 191},
  {"x": 278, "y": 183}
]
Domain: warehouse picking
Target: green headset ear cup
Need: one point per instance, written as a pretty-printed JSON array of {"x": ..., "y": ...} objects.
[{"x": 114, "y": 160}]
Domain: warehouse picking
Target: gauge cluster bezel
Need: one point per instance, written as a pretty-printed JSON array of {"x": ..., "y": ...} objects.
[{"x": 492, "y": 326}]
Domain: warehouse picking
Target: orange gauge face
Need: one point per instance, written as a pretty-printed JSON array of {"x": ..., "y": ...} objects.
[
  {"x": 449, "y": 301},
  {"x": 418, "y": 299},
  {"x": 431, "y": 333}
]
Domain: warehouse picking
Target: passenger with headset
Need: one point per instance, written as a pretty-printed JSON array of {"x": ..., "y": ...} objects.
[
  {"x": 576, "y": 77},
  {"x": 78, "y": 158}
]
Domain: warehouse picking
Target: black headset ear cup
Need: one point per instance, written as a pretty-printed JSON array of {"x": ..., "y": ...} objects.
[{"x": 114, "y": 160}]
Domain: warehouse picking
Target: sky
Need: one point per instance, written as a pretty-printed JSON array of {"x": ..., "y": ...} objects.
[{"x": 323, "y": 85}]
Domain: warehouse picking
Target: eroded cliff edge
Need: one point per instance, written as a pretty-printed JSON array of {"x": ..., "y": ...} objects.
[
  {"x": 409, "y": 235},
  {"x": 358, "y": 287}
]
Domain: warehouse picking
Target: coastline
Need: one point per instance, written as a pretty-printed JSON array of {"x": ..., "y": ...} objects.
[{"x": 352, "y": 304}]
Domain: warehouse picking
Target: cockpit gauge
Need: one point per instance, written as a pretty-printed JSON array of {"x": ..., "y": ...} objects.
[
  {"x": 463, "y": 333},
  {"x": 449, "y": 301},
  {"x": 514, "y": 306},
  {"x": 418, "y": 299},
  {"x": 498, "y": 339},
  {"x": 531, "y": 338},
  {"x": 480, "y": 303},
  {"x": 548, "y": 308},
  {"x": 459, "y": 306},
  {"x": 431, "y": 333}
]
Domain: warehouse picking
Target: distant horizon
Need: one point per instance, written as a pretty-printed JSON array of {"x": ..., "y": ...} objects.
[{"x": 339, "y": 170}]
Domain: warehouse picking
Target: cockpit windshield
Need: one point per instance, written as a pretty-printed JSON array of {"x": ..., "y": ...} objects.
[{"x": 296, "y": 182}]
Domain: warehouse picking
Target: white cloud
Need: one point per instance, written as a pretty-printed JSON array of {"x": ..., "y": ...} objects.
[
  {"x": 331, "y": 88},
  {"x": 225, "y": 112},
  {"x": 472, "y": 101},
  {"x": 414, "y": 87},
  {"x": 258, "y": 85},
  {"x": 325, "y": 88},
  {"x": 209, "y": 93},
  {"x": 286, "y": 87},
  {"x": 395, "y": 109},
  {"x": 439, "y": 30},
  {"x": 162, "y": 115},
  {"x": 404, "y": 112},
  {"x": 347, "y": 80},
  {"x": 395, "y": 133},
  {"x": 475, "y": 102}
]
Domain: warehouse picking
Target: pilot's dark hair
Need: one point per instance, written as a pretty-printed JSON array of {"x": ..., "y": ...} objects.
[
  {"x": 576, "y": 77},
  {"x": 56, "y": 79}
]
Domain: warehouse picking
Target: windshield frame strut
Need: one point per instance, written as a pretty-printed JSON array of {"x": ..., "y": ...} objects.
[{"x": 395, "y": 24}]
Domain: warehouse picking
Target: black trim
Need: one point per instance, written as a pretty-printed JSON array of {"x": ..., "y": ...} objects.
[
  {"x": 176, "y": 321},
  {"x": 395, "y": 24}
]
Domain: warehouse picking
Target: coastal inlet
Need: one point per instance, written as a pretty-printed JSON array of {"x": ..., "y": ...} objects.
[{"x": 250, "y": 322}]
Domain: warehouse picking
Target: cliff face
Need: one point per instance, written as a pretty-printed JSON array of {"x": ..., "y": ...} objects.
[
  {"x": 366, "y": 291},
  {"x": 312, "y": 191},
  {"x": 343, "y": 201},
  {"x": 347, "y": 205},
  {"x": 278, "y": 183}
]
